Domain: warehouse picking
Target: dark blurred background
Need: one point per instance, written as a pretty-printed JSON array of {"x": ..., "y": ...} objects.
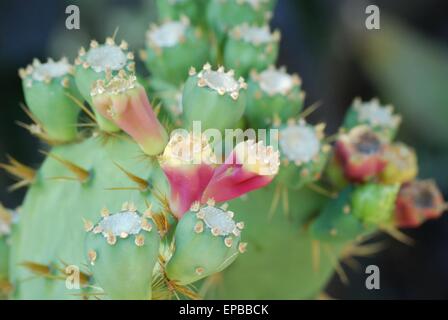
[{"x": 405, "y": 63}]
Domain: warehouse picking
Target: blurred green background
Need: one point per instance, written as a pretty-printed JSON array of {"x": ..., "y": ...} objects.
[{"x": 405, "y": 63}]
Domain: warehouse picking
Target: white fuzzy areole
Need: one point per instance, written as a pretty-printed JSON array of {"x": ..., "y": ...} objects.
[
  {"x": 168, "y": 34},
  {"x": 50, "y": 70},
  {"x": 256, "y": 35},
  {"x": 299, "y": 143},
  {"x": 375, "y": 114},
  {"x": 219, "y": 219},
  {"x": 106, "y": 57},
  {"x": 275, "y": 82},
  {"x": 220, "y": 80},
  {"x": 122, "y": 222}
]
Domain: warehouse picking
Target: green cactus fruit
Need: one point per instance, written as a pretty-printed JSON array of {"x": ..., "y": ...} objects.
[
  {"x": 122, "y": 250},
  {"x": 303, "y": 152},
  {"x": 172, "y": 48},
  {"x": 336, "y": 221},
  {"x": 381, "y": 119},
  {"x": 175, "y": 9},
  {"x": 251, "y": 47},
  {"x": 223, "y": 15},
  {"x": 273, "y": 94},
  {"x": 50, "y": 90},
  {"x": 374, "y": 203},
  {"x": 206, "y": 241},
  {"x": 99, "y": 63},
  {"x": 215, "y": 98}
]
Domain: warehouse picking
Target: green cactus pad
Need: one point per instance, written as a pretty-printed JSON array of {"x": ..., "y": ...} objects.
[
  {"x": 251, "y": 47},
  {"x": 374, "y": 203},
  {"x": 123, "y": 249},
  {"x": 380, "y": 118},
  {"x": 303, "y": 152},
  {"x": 101, "y": 62},
  {"x": 172, "y": 48},
  {"x": 4, "y": 257},
  {"x": 273, "y": 94},
  {"x": 336, "y": 221},
  {"x": 51, "y": 218},
  {"x": 207, "y": 240},
  {"x": 49, "y": 90},
  {"x": 215, "y": 98}
]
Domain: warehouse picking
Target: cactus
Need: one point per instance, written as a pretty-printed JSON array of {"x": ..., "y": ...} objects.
[{"x": 136, "y": 199}]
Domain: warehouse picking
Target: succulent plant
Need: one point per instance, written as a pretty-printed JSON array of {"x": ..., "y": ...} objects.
[{"x": 137, "y": 202}]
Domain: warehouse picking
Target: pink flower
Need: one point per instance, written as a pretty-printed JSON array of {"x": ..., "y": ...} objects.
[
  {"x": 188, "y": 163},
  {"x": 124, "y": 101},
  {"x": 249, "y": 167}
]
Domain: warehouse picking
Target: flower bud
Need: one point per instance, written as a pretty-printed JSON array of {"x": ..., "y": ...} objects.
[{"x": 124, "y": 101}]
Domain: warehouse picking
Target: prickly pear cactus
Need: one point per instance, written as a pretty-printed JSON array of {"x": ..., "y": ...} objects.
[{"x": 133, "y": 202}]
